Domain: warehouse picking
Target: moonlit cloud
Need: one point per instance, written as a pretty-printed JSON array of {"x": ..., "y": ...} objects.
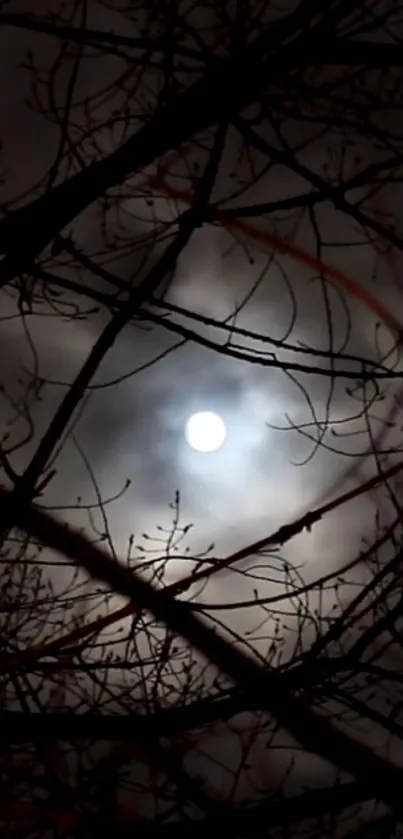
[{"x": 266, "y": 473}]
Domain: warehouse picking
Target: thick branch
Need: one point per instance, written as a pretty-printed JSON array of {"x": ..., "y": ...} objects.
[
  {"x": 346, "y": 53},
  {"x": 221, "y": 93},
  {"x": 93, "y": 37},
  {"x": 311, "y": 730}
]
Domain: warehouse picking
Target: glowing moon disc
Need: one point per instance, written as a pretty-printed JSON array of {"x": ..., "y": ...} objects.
[{"x": 205, "y": 431}]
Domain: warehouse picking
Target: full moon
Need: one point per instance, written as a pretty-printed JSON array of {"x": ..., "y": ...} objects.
[{"x": 205, "y": 431}]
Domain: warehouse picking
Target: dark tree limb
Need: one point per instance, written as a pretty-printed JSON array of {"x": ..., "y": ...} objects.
[
  {"x": 221, "y": 93},
  {"x": 313, "y": 731}
]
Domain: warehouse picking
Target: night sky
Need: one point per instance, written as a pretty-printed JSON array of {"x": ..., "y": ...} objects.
[
  {"x": 135, "y": 429},
  {"x": 132, "y": 424}
]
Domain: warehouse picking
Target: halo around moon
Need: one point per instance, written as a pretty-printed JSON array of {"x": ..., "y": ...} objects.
[{"x": 205, "y": 431}]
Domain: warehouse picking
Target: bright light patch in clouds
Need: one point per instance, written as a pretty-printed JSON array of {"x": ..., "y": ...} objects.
[{"x": 205, "y": 431}]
